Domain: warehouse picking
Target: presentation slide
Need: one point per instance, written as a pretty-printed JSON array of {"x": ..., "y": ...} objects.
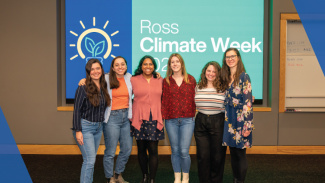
[{"x": 198, "y": 30}]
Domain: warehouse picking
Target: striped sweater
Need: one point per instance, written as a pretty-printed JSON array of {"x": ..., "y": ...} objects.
[{"x": 208, "y": 101}]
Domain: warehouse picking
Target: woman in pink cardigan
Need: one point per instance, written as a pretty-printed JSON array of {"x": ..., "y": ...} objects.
[{"x": 147, "y": 123}]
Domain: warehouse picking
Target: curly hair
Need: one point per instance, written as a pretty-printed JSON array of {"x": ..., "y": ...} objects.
[{"x": 203, "y": 82}]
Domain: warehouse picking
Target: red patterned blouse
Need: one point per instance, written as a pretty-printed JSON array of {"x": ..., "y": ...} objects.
[{"x": 178, "y": 101}]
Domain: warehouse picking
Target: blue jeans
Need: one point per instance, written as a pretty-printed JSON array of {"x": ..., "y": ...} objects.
[
  {"x": 180, "y": 132},
  {"x": 117, "y": 129},
  {"x": 92, "y": 133}
]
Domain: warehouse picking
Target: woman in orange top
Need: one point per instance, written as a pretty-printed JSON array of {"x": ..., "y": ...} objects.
[{"x": 116, "y": 126}]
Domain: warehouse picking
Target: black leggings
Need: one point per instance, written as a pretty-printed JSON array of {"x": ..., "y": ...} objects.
[
  {"x": 152, "y": 147},
  {"x": 238, "y": 163}
]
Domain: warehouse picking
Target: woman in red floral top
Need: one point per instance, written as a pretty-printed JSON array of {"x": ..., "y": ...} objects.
[{"x": 178, "y": 110}]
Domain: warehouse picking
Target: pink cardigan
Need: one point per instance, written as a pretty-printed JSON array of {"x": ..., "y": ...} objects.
[{"x": 147, "y": 96}]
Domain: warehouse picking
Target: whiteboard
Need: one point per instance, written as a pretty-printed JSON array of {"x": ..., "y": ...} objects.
[
  {"x": 297, "y": 39},
  {"x": 304, "y": 79}
]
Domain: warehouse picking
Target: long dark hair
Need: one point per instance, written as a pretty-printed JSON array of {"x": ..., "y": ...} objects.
[
  {"x": 217, "y": 84},
  {"x": 139, "y": 70},
  {"x": 113, "y": 82},
  {"x": 93, "y": 93},
  {"x": 225, "y": 70}
]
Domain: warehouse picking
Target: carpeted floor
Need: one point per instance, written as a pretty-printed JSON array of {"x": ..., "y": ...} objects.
[{"x": 261, "y": 169}]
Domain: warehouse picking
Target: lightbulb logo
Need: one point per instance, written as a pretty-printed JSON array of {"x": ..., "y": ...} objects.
[{"x": 94, "y": 42}]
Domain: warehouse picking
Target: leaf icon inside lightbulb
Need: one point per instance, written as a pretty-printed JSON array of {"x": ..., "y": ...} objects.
[{"x": 94, "y": 48}]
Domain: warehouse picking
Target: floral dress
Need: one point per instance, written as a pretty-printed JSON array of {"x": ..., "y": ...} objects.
[
  {"x": 148, "y": 131},
  {"x": 239, "y": 114}
]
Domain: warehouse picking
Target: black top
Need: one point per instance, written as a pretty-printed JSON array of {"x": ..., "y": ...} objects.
[{"x": 85, "y": 110}]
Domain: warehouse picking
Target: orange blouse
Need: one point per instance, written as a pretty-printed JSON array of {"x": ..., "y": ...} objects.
[{"x": 120, "y": 96}]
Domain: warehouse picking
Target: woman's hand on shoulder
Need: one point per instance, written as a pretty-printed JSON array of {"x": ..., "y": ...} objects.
[
  {"x": 158, "y": 75},
  {"x": 82, "y": 82}
]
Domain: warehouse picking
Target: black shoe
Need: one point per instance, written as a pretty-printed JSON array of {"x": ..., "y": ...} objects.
[{"x": 145, "y": 178}]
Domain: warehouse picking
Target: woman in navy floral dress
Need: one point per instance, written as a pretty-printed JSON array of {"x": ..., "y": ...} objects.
[{"x": 238, "y": 110}]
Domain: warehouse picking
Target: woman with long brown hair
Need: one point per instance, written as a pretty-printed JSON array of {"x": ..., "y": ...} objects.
[
  {"x": 117, "y": 124},
  {"x": 178, "y": 110},
  {"x": 209, "y": 124},
  {"x": 239, "y": 112},
  {"x": 91, "y": 101}
]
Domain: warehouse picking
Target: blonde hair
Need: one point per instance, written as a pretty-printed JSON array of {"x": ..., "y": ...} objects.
[{"x": 170, "y": 71}]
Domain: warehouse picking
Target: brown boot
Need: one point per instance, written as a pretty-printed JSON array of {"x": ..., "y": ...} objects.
[
  {"x": 111, "y": 180},
  {"x": 119, "y": 178}
]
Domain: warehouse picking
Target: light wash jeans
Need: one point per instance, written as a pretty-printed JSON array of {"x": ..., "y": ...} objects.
[
  {"x": 180, "y": 132},
  {"x": 92, "y": 133},
  {"x": 117, "y": 129}
]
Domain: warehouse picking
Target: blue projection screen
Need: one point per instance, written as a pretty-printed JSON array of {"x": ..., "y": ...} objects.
[{"x": 199, "y": 30}]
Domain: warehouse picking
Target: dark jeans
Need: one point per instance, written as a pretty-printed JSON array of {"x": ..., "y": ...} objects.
[{"x": 211, "y": 154}]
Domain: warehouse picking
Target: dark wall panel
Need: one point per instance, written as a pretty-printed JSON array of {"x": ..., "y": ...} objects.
[{"x": 28, "y": 71}]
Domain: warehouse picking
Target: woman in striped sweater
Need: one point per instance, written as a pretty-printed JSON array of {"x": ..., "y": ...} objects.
[{"x": 209, "y": 124}]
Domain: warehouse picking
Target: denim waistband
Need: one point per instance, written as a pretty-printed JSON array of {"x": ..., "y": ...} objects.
[
  {"x": 82, "y": 119},
  {"x": 123, "y": 110}
]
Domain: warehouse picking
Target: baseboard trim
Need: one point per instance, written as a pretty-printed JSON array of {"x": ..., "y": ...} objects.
[
  {"x": 259, "y": 109},
  {"x": 166, "y": 150}
]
